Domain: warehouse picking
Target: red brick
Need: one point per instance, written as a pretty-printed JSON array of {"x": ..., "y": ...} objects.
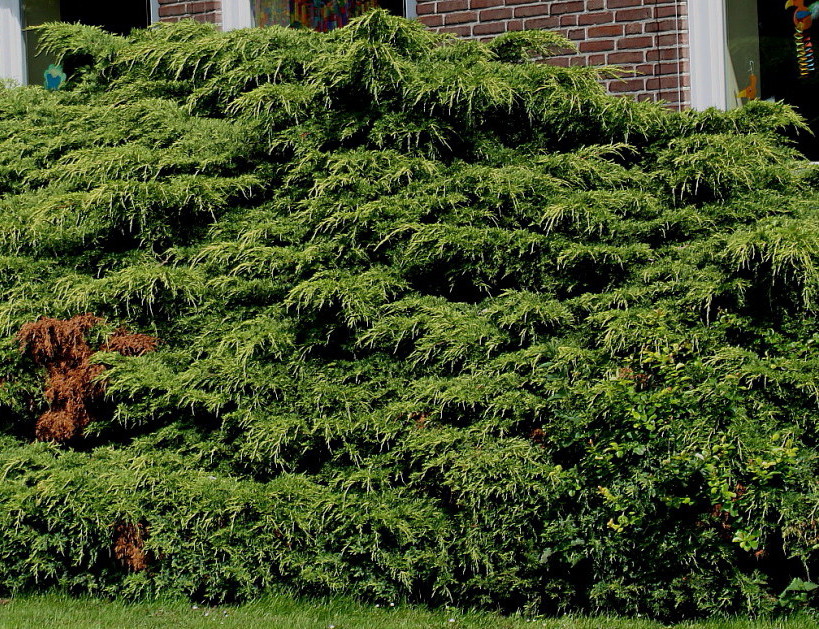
[
  {"x": 463, "y": 31},
  {"x": 662, "y": 26},
  {"x": 616, "y": 4},
  {"x": 664, "y": 54},
  {"x": 672, "y": 67},
  {"x": 674, "y": 39},
  {"x": 596, "y": 45},
  {"x": 567, "y": 7},
  {"x": 610, "y": 30},
  {"x": 485, "y": 4},
  {"x": 431, "y": 20},
  {"x": 627, "y": 85},
  {"x": 489, "y": 28},
  {"x": 452, "y": 5},
  {"x": 643, "y": 41},
  {"x": 172, "y": 9},
  {"x": 203, "y": 7},
  {"x": 595, "y": 17},
  {"x": 633, "y": 56},
  {"x": 631, "y": 15},
  {"x": 663, "y": 83},
  {"x": 495, "y": 14},
  {"x": 460, "y": 17},
  {"x": 672, "y": 97},
  {"x": 534, "y": 9},
  {"x": 540, "y": 23},
  {"x": 672, "y": 11}
]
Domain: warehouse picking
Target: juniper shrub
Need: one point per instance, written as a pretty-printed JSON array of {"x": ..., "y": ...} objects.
[{"x": 438, "y": 322}]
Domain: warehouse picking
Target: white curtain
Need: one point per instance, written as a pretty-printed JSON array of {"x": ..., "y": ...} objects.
[
  {"x": 236, "y": 14},
  {"x": 12, "y": 54}
]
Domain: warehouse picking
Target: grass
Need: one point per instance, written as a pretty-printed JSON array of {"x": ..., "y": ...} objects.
[{"x": 280, "y": 612}]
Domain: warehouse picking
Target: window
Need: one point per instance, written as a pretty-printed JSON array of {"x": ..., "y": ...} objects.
[
  {"x": 19, "y": 60},
  {"x": 12, "y": 63},
  {"x": 319, "y": 15},
  {"x": 743, "y": 50},
  {"x": 771, "y": 49}
]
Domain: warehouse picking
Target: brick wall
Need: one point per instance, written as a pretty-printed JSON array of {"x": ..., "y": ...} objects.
[
  {"x": 201, "y": 10},
  {"x": 647, "y": 37}
]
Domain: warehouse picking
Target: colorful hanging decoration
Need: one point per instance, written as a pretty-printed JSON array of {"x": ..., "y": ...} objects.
[
  {"x": 803, "y": 17},
  {"x": 750, "y": 91},
  {"x": 54, "y": 77},
  {"x": 318, "y": 15},
  {"x": 327, "y": 15},
  {"x": 272, "y": 12}
]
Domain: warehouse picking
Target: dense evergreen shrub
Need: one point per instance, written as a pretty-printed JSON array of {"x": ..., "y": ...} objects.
[{"x": 437, "y": 323}]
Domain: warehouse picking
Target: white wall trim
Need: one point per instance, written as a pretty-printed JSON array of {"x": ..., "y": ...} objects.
[
  {"x": 236, "y": 14},
  {"x": 12, "y": 47},
  {"x": 154, "y": 8},
  {"x": 707, "y": 42}
]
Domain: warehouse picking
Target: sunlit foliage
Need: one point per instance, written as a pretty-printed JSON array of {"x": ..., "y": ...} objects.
[{"x": 438, "y": 322}]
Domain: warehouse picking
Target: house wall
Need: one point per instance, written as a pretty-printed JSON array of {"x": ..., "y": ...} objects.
[
  {"x": 648, "y": 38},
  {"x": 201, "y": 10}
]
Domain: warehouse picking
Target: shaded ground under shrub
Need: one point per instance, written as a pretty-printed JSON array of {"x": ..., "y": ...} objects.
[{"x": 438, "y": 324}]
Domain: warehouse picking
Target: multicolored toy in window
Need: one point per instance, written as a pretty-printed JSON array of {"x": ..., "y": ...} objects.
[
  {"x": 54, "y": 77},
  {"x": 272, "y": 12},
  {"x": 318, "y": 15},
  {"x": 803, "y": 17}
]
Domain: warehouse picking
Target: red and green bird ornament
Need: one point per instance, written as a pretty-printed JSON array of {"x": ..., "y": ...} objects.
[{"x": 803, "y": 17}]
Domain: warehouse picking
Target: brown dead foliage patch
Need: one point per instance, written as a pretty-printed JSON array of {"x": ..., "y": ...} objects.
[
  {"x": 129, "y": 344},
  {"x": 129, "y": 546},
  {"x": 420, "y": 419},
  {"x": 71, "y": 388}
]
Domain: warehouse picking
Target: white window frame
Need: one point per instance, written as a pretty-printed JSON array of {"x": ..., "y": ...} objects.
[
  {"x": 239, "y": 13},
  {"x": 707, "y": 44},
  {"x": 12, "y": 42},
  {"x": 12, "y": 47}
]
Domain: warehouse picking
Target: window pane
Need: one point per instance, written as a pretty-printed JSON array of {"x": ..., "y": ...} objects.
[
  {"x": 319, "y": 15},
  {"x": 38, "y": 12},
  {"x": 272, "y": 12},
  {"x": 116, "y": 17},
  {"x": 771, "y": 56}
]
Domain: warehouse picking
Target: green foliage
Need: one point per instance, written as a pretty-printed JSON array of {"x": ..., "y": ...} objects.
[{"x": 438, "y": 323}]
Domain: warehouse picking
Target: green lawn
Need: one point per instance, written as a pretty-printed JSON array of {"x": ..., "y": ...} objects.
[{"x": 45, "y": 612}]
